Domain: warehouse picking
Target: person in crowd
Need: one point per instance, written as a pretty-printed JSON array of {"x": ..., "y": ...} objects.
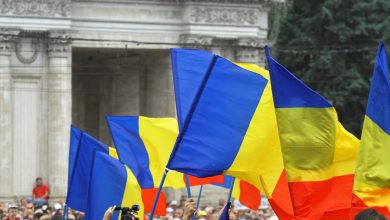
[
  {"x": 58, "y": 212},
  {"x": 13, "y": 213},
  {"x": 370, "y": 214},
  {"x": 178, "y": 214},
  {"x": 40, "y": 193}
]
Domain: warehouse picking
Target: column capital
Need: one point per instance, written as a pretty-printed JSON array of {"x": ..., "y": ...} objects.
[
  {"x": 8, "y": 37},
  {"x": 249, "y": 50},
  {"x": 59, "y": 44},
  {"x": 196, "y": 41}
]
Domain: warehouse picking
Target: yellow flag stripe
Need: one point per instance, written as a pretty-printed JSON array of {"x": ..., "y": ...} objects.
[
  {"x": 372, "y": 178},
  {"x": 159, "y": 136},
  {"x": 132, "y": 194},
  {"x": 261, "y": 144}
]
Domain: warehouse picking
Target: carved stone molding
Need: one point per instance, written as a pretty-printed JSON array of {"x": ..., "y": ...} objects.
[
  {"x": 59, "y": 44},
  {"x": 213, "y": 15},
  {"x": 250, "y": 50},
  {"x": 28, "y": 55},
  {"x": 7, "y": 37},
  {"x": 250, "y": 42},
  {"x": 39, "y": 8},
  {"x": 196, "y": 41}
]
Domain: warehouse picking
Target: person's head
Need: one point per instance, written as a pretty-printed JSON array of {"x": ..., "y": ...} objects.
[
  {"x": 12, "y": 211},
  {"x": 178, "y": 213},
  {"x": 174, "y": 204},
  {"x": 369, "y": 214},
  {"x": 38, "y": 181}
]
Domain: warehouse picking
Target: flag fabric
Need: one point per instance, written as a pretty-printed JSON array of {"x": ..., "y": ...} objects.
[
  {"x": 244, "y": 192},
  {"x": 215, "y": 101},
  {"x": 225, "y": 212},
  {"x": 75, "y": 136},
  {"x": 148, "y": 197},
  {"x": 372, "y": 176},
  {"x": 145, "y": 145},
  {"x": 319, "y": 154},
  {"x": 265, "y": 172},
  {"x": 112, "y": 183},
  {"x": 79, "y": 182},
  {"x": 78, "y": 188}
]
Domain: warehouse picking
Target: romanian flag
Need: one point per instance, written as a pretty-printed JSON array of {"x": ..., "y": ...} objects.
[
  {"x": 82, "y": 163},
  {"x": 319, "y": 154},
  {"x": 216, "y": 101},
  {"x": 79, "y": 181},
  {"x": 145, "y": 145},
  {"x": 264, "y": 169},
  {"x": 372, "y": 176},
  {"x": 112, "y": 183}
]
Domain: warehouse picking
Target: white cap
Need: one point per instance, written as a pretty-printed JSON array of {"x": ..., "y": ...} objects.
[
  {"x": 57, "y": 206},
  {"x": 174, "y": 202}
]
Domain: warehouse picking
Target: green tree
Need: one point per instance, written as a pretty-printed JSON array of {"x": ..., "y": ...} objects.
[{"x": 331, "y": 46}]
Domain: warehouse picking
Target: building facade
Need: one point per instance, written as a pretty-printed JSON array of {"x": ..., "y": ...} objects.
[{"x": 64, "y": 62}]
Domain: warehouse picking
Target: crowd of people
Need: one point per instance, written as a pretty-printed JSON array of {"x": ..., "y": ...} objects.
[
  {"x": 28, "y": 210},
  {"x": 36, "y": 207}
]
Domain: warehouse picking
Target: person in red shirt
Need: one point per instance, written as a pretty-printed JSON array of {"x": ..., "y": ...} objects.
[{"x": 40, "y": 193}]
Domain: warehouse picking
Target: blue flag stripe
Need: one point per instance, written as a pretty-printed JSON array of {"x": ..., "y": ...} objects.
[
  {"x": 131, "y": 149},
  {"x": 75, "y": 135},
  {"x": 283, "y": 82},
  {"x": 186, "y": 87},
  {"x": 78, "y": 189},
  {"x": 107, "y": 186},
  {"x": 220, "y": 119},
  {"x": 379, "y": 98}
]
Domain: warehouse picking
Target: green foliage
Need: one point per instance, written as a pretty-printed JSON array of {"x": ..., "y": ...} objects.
[{"x": 331, "y": 46}]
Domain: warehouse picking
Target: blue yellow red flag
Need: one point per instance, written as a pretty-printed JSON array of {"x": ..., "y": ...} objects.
[
  {"x": 319, "y": 154},
  {"x": 112, "y": 184},
  {"x": 265, "y": 171},
  {"x": 216, "y": 101},
  {"x": 372, "y": 175},
  {"x": 145, "y": 145}
]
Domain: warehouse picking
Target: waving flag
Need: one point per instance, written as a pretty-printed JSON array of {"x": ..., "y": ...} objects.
[
  {"x": 112, "y": 183},
  {"x": 266, "y": 173},
  {"x": 319, "y": 154},
  {"x": 372, "y": 176},
  {"x": 145, "y": 145},
  {"x": 79, "y": 183},
  {"x": 216, "y": 101}
]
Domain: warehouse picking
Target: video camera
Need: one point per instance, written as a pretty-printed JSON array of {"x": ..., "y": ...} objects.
[{"x": 128, "y": 213}]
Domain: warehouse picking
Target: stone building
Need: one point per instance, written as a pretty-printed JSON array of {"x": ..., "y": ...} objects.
[{"x": 64, "y": 62}]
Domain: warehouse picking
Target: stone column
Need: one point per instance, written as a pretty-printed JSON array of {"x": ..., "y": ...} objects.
[
  {"x": 59, "y": 118},
  {"x": 6, "y": 174},
  {"x": 250, "y": 50}
]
